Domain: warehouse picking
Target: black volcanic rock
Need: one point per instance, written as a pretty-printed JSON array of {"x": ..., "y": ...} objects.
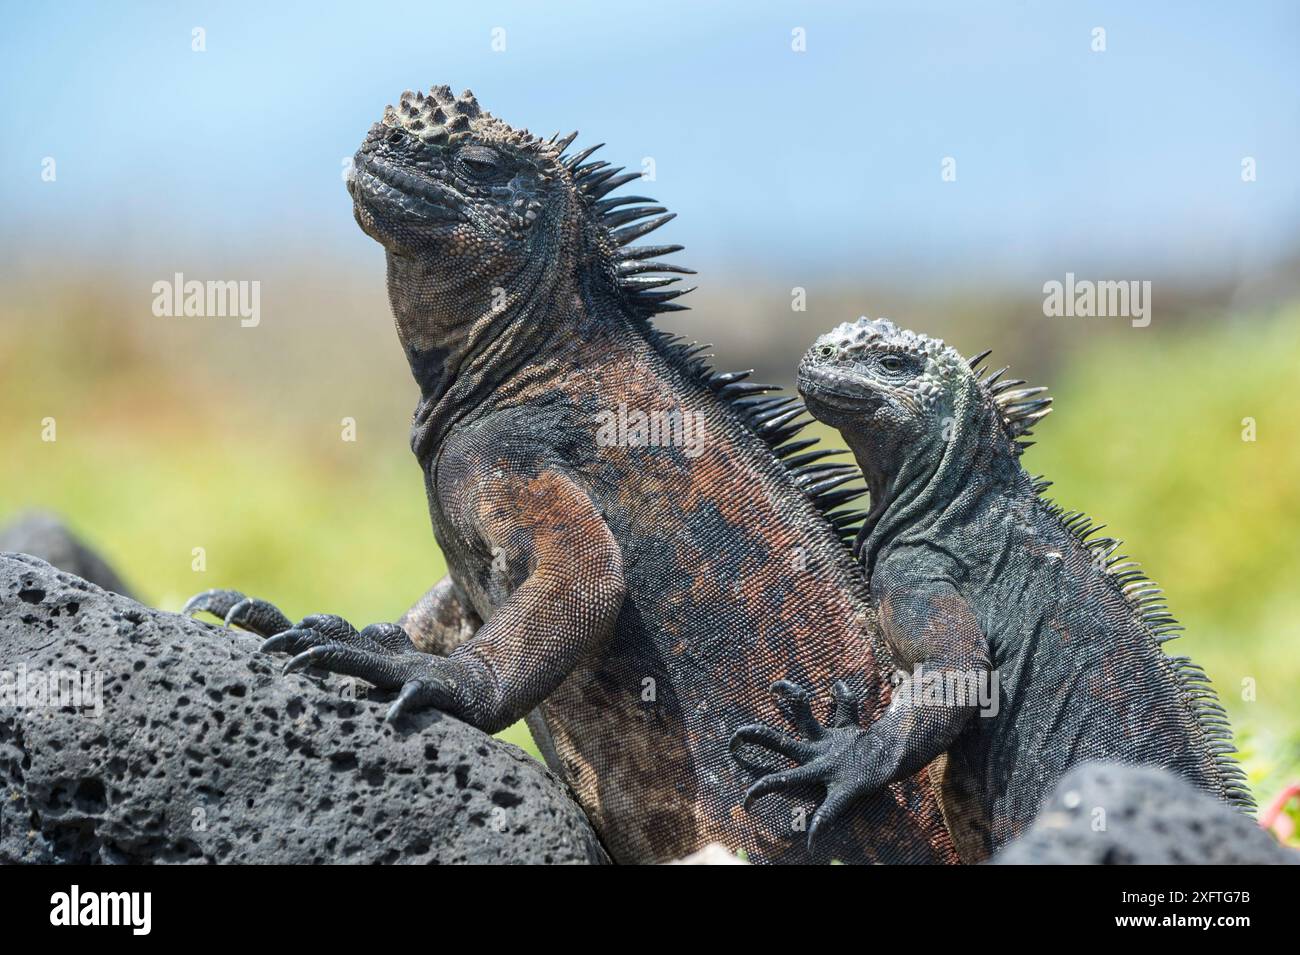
[{"x": 186, "y": 745}]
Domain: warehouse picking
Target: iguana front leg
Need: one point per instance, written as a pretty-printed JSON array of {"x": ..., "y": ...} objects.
[
  {"x": 930, "y": 627},
  {"x": 554, "y": 541}
]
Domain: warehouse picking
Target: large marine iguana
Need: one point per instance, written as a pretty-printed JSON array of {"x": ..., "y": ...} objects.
[
  {"x": 639, "y": 592},
  {"x": 975, "y": 573}
]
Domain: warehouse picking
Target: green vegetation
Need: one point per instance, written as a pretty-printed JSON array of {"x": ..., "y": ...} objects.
[{"x": 171, "y": 438}]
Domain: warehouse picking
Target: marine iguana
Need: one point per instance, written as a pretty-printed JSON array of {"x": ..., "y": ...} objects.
[
  {"x": 974, "y": 573},
  {"x": 635, "y": 591}
]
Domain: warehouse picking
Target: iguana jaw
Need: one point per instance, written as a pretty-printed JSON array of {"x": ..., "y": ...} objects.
[
  {"x": 836, "y": 391},
  {"x": 381, "y": 189},
  {"x": 846, "y": 404},
  {"x": 397, "y": 207},
  {"x": 882, "y": 422},
  {"x": 836, "y": 397}
]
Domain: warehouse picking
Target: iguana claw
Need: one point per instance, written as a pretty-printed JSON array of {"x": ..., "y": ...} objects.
[
  {"x": 257, "y": 616},
  {"x": 287, "y": 641},
  {"x": 415, "y": 694},
  {"x": 825, "y": 756},
  {"x": 317, "y": 630},
  {"x": 425, "y": 680},
  {"x": 237, "y": 610},
  {"x": 215, "y": 602}
]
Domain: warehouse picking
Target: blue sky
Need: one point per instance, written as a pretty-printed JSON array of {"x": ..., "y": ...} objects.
[{"x": 828, "y": 159}]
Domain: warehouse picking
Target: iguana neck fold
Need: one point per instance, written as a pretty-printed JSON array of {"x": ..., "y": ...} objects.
[
  {"x": 464, "y": 338},
  {"x": 970, "y": 461}
]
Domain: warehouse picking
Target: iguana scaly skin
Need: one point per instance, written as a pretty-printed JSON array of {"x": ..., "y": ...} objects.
[
  {"x": 973, "y": 571},
  {"x": 636, "y": 592}
]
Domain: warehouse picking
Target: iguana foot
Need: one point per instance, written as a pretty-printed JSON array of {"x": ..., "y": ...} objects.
[
  {"x": 827, "y": 755},
  {"x": 381, "y": 654}
]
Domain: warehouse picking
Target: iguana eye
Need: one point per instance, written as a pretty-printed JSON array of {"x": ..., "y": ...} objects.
[
  {"x": 479, "y": 161},
  {"x": 891, "y": 363}
]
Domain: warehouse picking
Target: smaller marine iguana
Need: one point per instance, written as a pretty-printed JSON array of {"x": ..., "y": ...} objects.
[{"x": 975, "y": 575}]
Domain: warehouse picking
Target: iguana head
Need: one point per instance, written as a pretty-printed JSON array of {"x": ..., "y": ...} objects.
[
  {"x": 476, "y": 215},
  {"x": 437, "y": 175},
  {"x": 897, "y": 395}
]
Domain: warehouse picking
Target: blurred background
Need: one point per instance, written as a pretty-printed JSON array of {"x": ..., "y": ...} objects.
[{"x": 928, "y": 162}]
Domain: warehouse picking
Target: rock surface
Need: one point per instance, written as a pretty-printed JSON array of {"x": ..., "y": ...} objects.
[
  {"x": 45, "y": 536},
  {"x": 1150, "y": 817},
  {"x": 202, "y": 752}
]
